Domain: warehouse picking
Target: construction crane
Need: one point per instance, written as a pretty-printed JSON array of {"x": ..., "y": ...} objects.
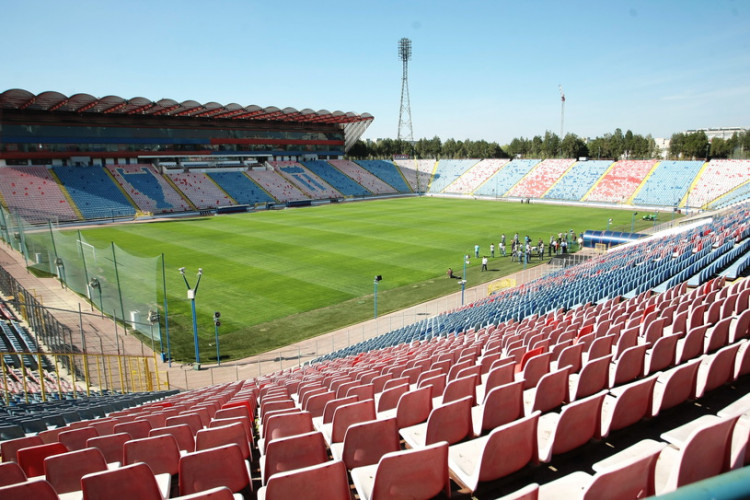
[{"x": 562, "y": 112}]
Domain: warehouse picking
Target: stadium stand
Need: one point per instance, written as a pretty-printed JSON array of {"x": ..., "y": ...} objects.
[
  {"x": 506, "y": 178},
  {"x": 340, "y": 182},
  {"x": 718, "y": 177},
  {"x": 94, "y": 192},
  {"x": 363, "y": 177},
  {"x": 306, "y": 181},
  {"x": 477, "y": 175},
  {"x": 447, "y": 171},
  {"x": 387, "y": 172},
  {"x": 578, "y": 180},
  {"x": 34, "y": 194},
  {"x": 240, "y": 187},
  {"x": 540, "y": 178},
  {"x": 149, "y": 190},
  {"x": 417, "y": 173},
  {"x": 737, "y": 195},
  {"x": 276, "y": 186},
  {"x": 667, "y": 184},
  {"x": 620, "y": 182},
  {"x": 200, "y": 190}
]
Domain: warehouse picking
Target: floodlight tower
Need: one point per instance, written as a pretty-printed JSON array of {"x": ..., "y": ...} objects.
[
  {"x": 562, "y": 113},
  {"x": 404, "y": 115}
]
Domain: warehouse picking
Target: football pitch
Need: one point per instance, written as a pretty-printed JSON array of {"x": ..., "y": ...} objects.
[{"x": 278, "y": 277}]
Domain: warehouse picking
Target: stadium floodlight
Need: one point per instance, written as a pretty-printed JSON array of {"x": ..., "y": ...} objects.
[{"x": 191, "y": 293}]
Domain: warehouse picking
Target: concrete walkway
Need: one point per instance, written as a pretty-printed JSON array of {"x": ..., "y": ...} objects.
[{"x": 103, "y": 336}]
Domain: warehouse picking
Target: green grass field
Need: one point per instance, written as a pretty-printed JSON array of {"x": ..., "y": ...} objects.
[{"x": 281, "y": 276}]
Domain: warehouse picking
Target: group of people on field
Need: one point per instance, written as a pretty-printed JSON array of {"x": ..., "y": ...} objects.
[{"x": 524, "y": 251}]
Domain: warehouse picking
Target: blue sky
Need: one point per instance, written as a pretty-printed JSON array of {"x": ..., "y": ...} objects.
[{"x": 480, "y": 69}]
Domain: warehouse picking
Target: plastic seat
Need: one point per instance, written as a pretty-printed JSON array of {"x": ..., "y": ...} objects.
[
  {"x": 182, "y": 433},
  {"x": 499, "y": 374},
  {"x": 574, "y": 426},
  {"x": 388, "y": 399},
  {"x": 691, "y": 346},
  {"x": 594, "y": 377},
  {"x": 223, "y": 466},
  {"x": 11, "y": 473},
  {"x": 662, "y": 354},
  {"x": 626, "y": 475},
  {"x": 246, "y": 423},
  {"x": 160, "y": 452},
  {"x": 502, "y": 405},
  {"x": 741, "y": 328},
  {"x": 675, "y": 386},
  {"x": 64, "y": 471},
  {"x": 458, "y": 388},
  {"x": 534, "y": 369},
  {"x": 742, "y": 361},
  {"x": 503, "y": 451},
  {"x": 330, "y": 409},
  {"x": 629, "y": 366},
  {"x": 450, "y": 423},
  {"x": 317, "y": 402},
  {"x": 420, "y": 473},
  {"x": 295, "y": 452},
  {"x": 237, "y": 411},
  {"x": 193, "y": 420},
  {"x": 571, "y": 356},
  {"x": 154, "y": 419},
  {"x": 716, "y": 370},
  {"x": 326, "y": 480},
  {"x": 362, "y": 392},
  {"x": 31, "y": 459},
  {"x": 413, "y": 407},
  {"x": 36, "y": 490},
  {"x": 600, "y": 347},
  {"x": 718, "y": 337},
  {"x": 138, "y": 429},
  {"x": 75, "y": 439},
  {"x": 110, "y": 445},
  {"x": 284, "y": 426},
  {"x": 130, "y": 481},
  {"x": 365, "y": 442},
  {"x": 346, "y": 415},
  {"x": 222, "y": 435},
  {"x": 704, "y": 454},
  {"x": 550, "y": 392},
  {"x": 9, "y": 448},
  {"x": 627, "y": 405}
]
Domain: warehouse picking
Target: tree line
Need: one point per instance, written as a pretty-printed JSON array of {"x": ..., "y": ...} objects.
[{"x": 614, "y": 146}]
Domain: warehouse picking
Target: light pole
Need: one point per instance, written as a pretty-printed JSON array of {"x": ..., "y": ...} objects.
[
  {"x": 632, "y": 222},
  {"x": 191, "y": 293},
  {"x": 375, "y": 294},
  {"x": 463, "y": 278},
  {"x": 217, "y": 324}
]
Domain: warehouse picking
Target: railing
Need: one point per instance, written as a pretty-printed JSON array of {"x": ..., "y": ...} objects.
[{"x": 76, "y": 375}]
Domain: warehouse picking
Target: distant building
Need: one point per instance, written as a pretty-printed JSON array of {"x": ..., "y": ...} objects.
[{"x": 721, "y": 133}]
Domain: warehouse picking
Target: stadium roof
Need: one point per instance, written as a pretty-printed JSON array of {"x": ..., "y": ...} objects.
[{"x": 84, "y": 103}]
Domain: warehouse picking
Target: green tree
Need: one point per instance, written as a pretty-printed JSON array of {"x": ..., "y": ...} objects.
[{"x": 573, "y": 147}]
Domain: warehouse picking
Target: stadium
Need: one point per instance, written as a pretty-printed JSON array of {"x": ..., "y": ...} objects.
[{"x": 563, "y": 375}]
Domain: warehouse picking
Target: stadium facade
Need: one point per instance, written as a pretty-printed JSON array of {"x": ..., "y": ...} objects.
[{"x": 53, "y": 129}]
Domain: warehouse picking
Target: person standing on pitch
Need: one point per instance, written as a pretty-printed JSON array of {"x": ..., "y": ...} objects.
[
  {"x": 484, "y": 263},
  {"x": 492, "y": 250},
  {"x": 476, "y": 251}
]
